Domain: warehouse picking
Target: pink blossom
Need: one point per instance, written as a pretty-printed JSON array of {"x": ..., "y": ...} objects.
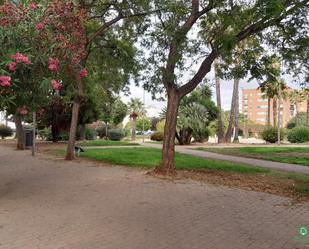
[
  {"x": 18, "y": 57},
  {"x": 5, "y": 81},
  {"x": 83, "y": 73},
  {"x": 33, "y": 6},
  {"x": 23, "y": 110},
  {"x": 40, "y": 26},
  {"x": 56, "y": 85},
  {"x": 53, "y": 64},
  {"x": 12, "y": 66}
]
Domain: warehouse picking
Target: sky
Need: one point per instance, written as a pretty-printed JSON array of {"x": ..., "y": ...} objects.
[{"x": 154, "y": 107}]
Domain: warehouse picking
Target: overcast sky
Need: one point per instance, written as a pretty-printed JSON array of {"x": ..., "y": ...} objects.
[{"x": 154, "y": 107}]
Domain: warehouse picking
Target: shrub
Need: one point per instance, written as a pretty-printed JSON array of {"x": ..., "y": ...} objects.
[
  {"x": 201, "y": 135},
  {"x": 46, "y": 134},
  {"x": 115, "y": 134},
  {"x": 101, "y": 130},
  {"x": 5, "y": 131},
  {"x": 299, "y": 135},
  {"x": 91, "y": 134},
  {"x": 157, "y": 136},
  {"x": 270, "y": 134}
]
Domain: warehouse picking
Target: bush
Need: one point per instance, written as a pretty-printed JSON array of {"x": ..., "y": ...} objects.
[
  {"x": 46, "y": 134},
  {"x": 299, "y": 135},
  {"x": 115, "y": 134},
  {"x": 101, "y": 130},
  {"x": 157, "y": 136},
  {"x": 91, "y": 134},
  {"x": 5, "y": 131},
  {"x": 201, "y": 135},
  {"x": 270, "y": 134}
]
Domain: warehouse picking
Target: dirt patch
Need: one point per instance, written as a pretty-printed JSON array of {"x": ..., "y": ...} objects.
[{"x": 259, "y": 182}]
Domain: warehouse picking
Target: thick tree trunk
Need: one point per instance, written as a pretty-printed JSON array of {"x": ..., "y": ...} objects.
[
  {"x": 167, "y": 166},
  {"x": 134, "y": 128},
  {"x": 274, "y": 112},
  {"x": 72, "y": 136},
  {"x": 236, "y": 138},
  {"x": 229, "y": 132},
  {"x": 19, "y": 133},
  {"x": 268, "y": 112},
  {"x": 82, "y": 132},
  {"x": 220, "y": 131}
]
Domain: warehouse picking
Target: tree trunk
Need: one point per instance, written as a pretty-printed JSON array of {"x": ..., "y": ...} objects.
[
  {"x": 274, "y": 112},
  {"x": 134, "y": 128},
  {"x": 307, "y": 118},
  {"x": 167, "y": 166},
  {"x": 268, "y": 111},
  {"x": 279, "y": 118},
  {"x": 229, "y": 132},
  {"x": 72, "y": 136},
  {"x": 220, "y": 132},
  {"x": 33, "y": 132},
  {"x": 236, "y": 138},
  {"x": 82, "y": 132},
  {"x": 55, "y": 133},
  {"x": 74, "y": 120},
  {"x": 19, "y": 133}
]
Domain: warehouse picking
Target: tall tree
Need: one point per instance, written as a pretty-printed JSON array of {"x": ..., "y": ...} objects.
[
  {"x": 104, "y": 18},
  {"x": 136, "y": 109},
  {"x": 171, "y": 39}
]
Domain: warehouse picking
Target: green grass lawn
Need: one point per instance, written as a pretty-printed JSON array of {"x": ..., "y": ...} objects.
[
  {"x": 151, "y": 157},
  {"x": 294, "y": 155},
  {"x": 107, "y": 143}
]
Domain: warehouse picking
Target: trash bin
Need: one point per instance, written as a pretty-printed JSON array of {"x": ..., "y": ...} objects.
[{"x": 28, "y": 137}]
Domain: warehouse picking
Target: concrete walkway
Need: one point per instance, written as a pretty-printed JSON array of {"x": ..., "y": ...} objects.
[
  {"x": 189, "y": 150},
  {"x": 55, "y": 204}
]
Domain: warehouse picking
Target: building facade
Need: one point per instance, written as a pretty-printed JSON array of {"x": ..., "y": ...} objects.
[{"x": 255, "y": 107}]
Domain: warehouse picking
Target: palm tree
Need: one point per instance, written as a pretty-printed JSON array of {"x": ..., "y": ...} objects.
[
  {"x": 272, "y": 91},
  {"x": 305, "y": 96},
  {"x": 296, "y": 97},
  {"x": 136, "y": 109},
  {"x": 220, "y": 132}
]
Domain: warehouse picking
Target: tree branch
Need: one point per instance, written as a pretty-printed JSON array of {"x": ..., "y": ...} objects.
[{"x": 199, "y": 76}]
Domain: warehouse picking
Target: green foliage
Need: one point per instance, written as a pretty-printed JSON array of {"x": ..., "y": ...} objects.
[
  {"x": 139, "y": 124},
  {"x": 270, "y": 134},
  {"x": 160, "y": 126},
  {"x": 136, "y": 108},
  {"x": 115, "y": 134},
  {"x": 5, "y": 131},
  {"x": 299, "y": 120},
  {"x": 101, "y": 130},
  {"x": 299, "y": 134},
  {"x": 201, "y": 135},
  {"x": 157, "y": 136}
]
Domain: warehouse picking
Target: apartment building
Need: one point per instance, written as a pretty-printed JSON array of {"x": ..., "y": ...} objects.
[{"x": 255, "y": 107}]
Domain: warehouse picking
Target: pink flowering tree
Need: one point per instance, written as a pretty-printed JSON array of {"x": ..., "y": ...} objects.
[{"x": 49, "y": 56}]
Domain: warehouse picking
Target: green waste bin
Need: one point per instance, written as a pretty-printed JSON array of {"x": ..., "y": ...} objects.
[{"x": 28, "y": 137}]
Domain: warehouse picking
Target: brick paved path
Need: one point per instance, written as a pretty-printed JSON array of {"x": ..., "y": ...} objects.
[{"x": 55, "y": 204}]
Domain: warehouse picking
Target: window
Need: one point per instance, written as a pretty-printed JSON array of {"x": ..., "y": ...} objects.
[
  {"x": 261, "y": 106},
  {"x": 261, "y": 113}
]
